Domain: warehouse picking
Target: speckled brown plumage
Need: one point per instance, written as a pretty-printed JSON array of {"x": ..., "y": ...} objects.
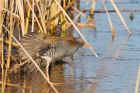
[{"x": 54, "y": 47}]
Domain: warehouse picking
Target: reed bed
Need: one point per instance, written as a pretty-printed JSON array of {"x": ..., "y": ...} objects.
[{"x": 19, "y": 17}]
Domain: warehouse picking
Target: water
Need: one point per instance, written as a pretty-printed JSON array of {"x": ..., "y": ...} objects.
[{"x": 114, "y": 71}]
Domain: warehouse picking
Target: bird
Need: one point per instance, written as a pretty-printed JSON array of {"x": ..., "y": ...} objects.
[
  {"x": 49, "y": 48},
  {"x": 131, "y": 16}
]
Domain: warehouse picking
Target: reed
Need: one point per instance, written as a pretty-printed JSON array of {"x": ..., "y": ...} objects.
[
  {"x": 27, "y": 19},
  {"x": 41, "y": 9},
  {"x": 109, "y": 19},
  {"x": 121, "y": 17},
  {"x": 1, "y": 47},
  {"x": 54, "y": 9},
  {"x": 20, "y": 8},
  {"x": 93, "y": 7},
  {"x": 2, "y": 64},
  {"x": 137, "y": 81}
]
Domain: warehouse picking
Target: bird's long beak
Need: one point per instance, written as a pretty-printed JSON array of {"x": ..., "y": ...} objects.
[{"x": 87, "y": 45}]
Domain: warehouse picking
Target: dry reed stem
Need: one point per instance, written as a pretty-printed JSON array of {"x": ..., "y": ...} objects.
[
  {"x": 121, "y": 17},
  {"x": 2, "y": 64},
  {"x": 137, "y": 81},
  {"x": 69, "y": 24},
  {"x": 32, "y": 61},
  {"x": 1, "y": 15},
  {"x": 10, "y": 43},
  {"x": 63, "y": 25},
  {"x": 93, "y": 7},
  {"x": 79, "y": 12},
  {"x": 75, "y": 27},
  {"x": 42, "y": 18},
  {"x": 15, "y": 15},
  {"x": 60, "y": 12},
  {"x": 14, "y": 85},
  {"x": 35, "y": 16},
  {"x": 54, "y": 9},
  {"x": 80, "y": 24},
  {"x": 19, "y": 4},
  {"x": 109, "y": 19},
  {"x": 17, "y": 66},
  {"x": 63, "y": 21},
  {"x": 27, "y": 19},
  {"x": 13, "y": 43},
  {"x": 90, "y": 25}
]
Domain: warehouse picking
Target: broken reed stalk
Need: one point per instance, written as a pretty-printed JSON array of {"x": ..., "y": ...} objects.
[
  {"x": 121, "y": 17},
  {"x": 75, "y": 27},
  {"x": 137, "y": 81},
  {"x": 109, "y": 19},
  {"x": 32, "y": 61},
  {"x": 93, "y": 7}
]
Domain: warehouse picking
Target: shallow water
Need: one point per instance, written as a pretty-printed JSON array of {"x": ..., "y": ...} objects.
[{"x": 114, "y": 71}]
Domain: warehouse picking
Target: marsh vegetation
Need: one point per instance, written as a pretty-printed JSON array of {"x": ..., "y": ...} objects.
[{"x": 109, "y": 27}]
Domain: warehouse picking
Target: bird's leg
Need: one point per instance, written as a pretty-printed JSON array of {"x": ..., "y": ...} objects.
[
  {"x": 47, "y": 68},
  {"x": 48, "y": 61}
]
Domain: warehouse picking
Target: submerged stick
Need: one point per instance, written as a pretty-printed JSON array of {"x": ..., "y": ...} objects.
[
  {"x": 121, "y": 17},
  {"x": 32, "y": 60},
  {"x": 75, "y": 27}
]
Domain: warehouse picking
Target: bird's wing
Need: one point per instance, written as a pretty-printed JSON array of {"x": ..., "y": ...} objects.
[
  {"x": 36, "y": 42},
  {"x": 51, "y": 44}
]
